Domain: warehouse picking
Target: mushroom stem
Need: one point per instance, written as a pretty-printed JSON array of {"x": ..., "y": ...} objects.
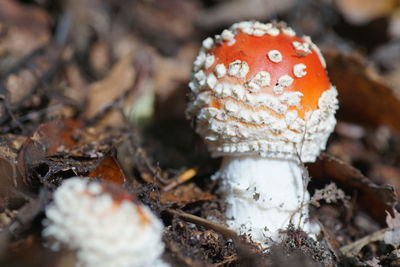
[{"x": 264, "y": 196}]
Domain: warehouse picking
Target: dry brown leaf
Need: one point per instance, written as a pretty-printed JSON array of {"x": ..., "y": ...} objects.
[
  {"x": 10, "y": 178},
  {"x": 77, "y": 84},
  {"x": 361, "y": 11},
  {"x": 20, "y": 87},
  {"x": 56, "y": 136},
  {"x": 88, "y": 17},
  {"x": 30, "y": 252},
  {"x": 355, "y": 247},
  {"x": 63, "y": 146},
  {"x": 393, "y": 78},
  {"x": 108, "y": 169},
  {"x": 103, "y": 93},
  {"x": 373, "y": 199},
  {"x": 170, "y": 81},
  {"x": 390, "y": 235},
  {"x": 363, "y": 96},
  {"x": 394, "y": 24},
  {"x": 48, "y": 139},
  {"x": 23, "y": 29},
  {"x": 99, "y": 57},
  {"x": 386, "y": 174},
  {"x": 229, "y": 12},
  {"x": 393, "y": 221},
  {"x": 185, "y": 194},
  {"x": 163, "y": 23}
]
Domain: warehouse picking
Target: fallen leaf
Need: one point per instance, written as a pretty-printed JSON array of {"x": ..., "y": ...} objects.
[
  {"x": 108, "y": 169},
  {"x": 20, "y": 87},
  {"x": 361, "y": 12},
  {"x": 171, "y": 22},
  {"x": 105, "y": 92},
  {"x": 364, "y": 98},
  {"x": 170, "y": 82},
  {"x": 48, "y": 139},
  {"x": 393, "y": 78},
  {"x": 185, "y": 194},
  {"x": 374, "y": 199},
  {"x": 385, "y": 174},
  {"x": 62, "y": 149},
  {"x": 9, "y": 181},
  {"x": 393, "y": 221},
  {"x": 99, "y": 57},
  {"x": 56, "y": 136},
  {"x": 394, "y": 24},
  {"x": 392, "y": 236},
  {"x": 24, "y": 29},
  {"x": 228, "y": 12}
]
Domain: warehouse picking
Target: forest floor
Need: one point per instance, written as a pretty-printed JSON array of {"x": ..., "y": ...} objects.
[{"x": 96, "y": 88}]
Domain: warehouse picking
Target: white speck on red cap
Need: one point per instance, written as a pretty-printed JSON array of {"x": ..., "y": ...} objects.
[
  {"x": 289, "y": 31},
  {"x": 227, "y": 35},
  {"x": 304, "y": 47},
  {"x": 316, "y": 48},
  {"x": 283, "y": 81},
  {"x": 220, "y": 70},
  {"x": 208, "y": 43},
  {"x": 273, "y": 32},
  {"x": 238, "y": 69},
  {"x": 211, "y": 81},
  {"x": 299, "y": 70},
  {"x": 292, "y": 99},
  {"x": 261, "y": 79},
  {"x": 209, "y": 61},
  {"x": 275, "y": 56},
  {"x": 199, "y": 62}
]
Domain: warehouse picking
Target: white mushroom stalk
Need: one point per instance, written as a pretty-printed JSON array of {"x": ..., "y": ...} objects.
[
  {"x": 103, "y": 225},
  {"x": 263, "y": 196},
  {"x": 261, "y": 98}
]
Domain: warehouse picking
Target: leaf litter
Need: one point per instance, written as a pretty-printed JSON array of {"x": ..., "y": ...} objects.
[{"x": 66, "y": 101}]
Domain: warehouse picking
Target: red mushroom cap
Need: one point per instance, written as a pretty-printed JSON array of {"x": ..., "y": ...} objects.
[
  {"x": 255, "y": 51},
  {"x": 259, "y": 89}
]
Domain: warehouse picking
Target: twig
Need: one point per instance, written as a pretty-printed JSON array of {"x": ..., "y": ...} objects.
[
  {"x": 181, "y": 178},
  {"x": 227, "y": 260},
  {"x": 203, "y": 222},
  {"x": 355, "y": 247}
]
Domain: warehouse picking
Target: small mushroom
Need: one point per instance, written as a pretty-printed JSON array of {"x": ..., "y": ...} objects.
[
  {"x": 270, "y": 111},
  {"x": 103, "y": 225}
]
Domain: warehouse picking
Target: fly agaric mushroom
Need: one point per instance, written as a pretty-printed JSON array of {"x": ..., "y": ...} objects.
[
  {"x": 103, "y": 225},
  {"x": 261, "y": 99}
]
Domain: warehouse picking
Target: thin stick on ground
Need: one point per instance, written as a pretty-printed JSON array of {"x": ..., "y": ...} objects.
[
  {"x": 204, "y": 222},
  {"x": 181, "y": 178},
  {"x": 354, "y": 248}
]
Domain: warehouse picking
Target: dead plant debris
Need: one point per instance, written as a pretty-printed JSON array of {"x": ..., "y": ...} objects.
[{"x": 97, "y": 89}]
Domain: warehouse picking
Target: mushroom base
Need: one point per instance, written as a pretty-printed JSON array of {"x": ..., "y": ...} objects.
[{"x": 264, "y": 196}]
